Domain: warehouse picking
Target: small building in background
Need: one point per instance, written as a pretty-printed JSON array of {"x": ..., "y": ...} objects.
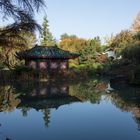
[
  {"x": 50, "y": 59},
  {"x": 110, "y": 53}
]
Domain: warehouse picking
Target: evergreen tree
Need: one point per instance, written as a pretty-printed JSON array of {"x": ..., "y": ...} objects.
[
  {"x": 22, "y": 13},
  {"x": 16, "y": 43},
  {"x": 88, "y": 54},
  {"x": 47, "y": 37}
]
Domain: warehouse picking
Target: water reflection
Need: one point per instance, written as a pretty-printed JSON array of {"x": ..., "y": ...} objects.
[
  {"x": 8, "y": 98},
  {"x": 128, "y": 100},
  {"x": 43, "y": 97}
]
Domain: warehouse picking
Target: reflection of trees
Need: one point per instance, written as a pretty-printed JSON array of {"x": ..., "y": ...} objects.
[
  {"x": 136, "y": 115},
  {"x": 44, "y": 96},
  {"x": 127, "y": 100},
  {"x": 45, "y": 111},
  {"x": 8, "y": 99},
  {"x": 46, "y": 116},
  {"x": 24, "y": 111},
  {"x": 89, "y": 90},
  {"x": 118, "y": 102},
  {"x": 92, "y": 91}
]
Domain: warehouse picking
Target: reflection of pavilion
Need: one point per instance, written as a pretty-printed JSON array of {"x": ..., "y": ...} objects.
[
  {"x": 46, "y": 103},
  {"x": 42, "y": 90},
  {"x": 48, "y": 95},
  {"x": 44, "y": 96}
]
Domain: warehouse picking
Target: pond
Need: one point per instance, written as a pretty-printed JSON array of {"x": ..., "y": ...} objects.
[{"x": 69, "y": 111}]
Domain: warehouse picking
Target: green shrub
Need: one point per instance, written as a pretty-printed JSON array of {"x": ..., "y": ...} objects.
[
  {"x": 22, "y": 69},
  {"x": 89, "y": 69},
  {"x": 131, "y": 52}
]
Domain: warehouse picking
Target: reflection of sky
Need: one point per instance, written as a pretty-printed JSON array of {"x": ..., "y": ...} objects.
[
  {"x": 72, "y": 122},
  {"x": 100, "y": 116}
]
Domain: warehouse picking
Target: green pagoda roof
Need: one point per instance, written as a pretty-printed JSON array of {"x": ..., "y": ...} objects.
[{"x": 51, "y": 52}]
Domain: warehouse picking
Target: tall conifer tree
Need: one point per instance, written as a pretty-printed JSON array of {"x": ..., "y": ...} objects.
[{"x": 47, "y": 37}]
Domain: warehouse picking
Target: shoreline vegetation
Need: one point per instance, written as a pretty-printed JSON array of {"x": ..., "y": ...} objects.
[{"x": 117, "y": 73}]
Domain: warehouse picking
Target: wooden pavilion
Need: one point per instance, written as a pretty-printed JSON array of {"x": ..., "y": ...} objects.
[{"x": 50, "y": 59}]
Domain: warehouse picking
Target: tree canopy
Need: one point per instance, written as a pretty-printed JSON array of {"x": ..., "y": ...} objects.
[
  {"x": 136, "y": 24},
  {"x": 21, "y": 12}
]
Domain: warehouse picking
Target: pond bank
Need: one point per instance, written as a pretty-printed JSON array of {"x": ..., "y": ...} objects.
[
  {"x": 32, "y": 75},
  {"x": 125, "y": 74}
]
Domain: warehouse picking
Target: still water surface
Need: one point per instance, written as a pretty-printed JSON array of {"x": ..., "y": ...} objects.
[{"x": 69, "y": 111}]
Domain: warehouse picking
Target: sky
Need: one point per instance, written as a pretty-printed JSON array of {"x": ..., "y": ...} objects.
[{"x": 89, "y": 18}]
